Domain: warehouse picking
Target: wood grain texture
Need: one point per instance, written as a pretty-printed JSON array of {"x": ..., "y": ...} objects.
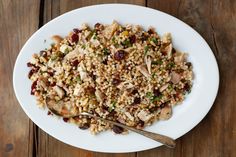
[
  {"x": 215, "y": 20},
  {"x": 18, "y": 20},
  {"x": 215, "y": 136}
]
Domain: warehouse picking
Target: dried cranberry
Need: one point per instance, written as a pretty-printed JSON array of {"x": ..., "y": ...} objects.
[
  {"x": 119, "y": 55},
  {"x": 134, "y": 91},
  {"x": 77, "y": 118},
  {"x": 65, "y": 119},
  {"x": 150, "y": 31},
  {"x": 30, "y": 65},
  {"x": 84, "y": 126},
  {"x": 116, "y": 81},
  {"x": 33, "y": 87},
  {"x": 105, "y": 61},
  {"x": 49, "y": 113},
  {"x": 187, "y": 87},
  {"x": 144, "y": 37},
  {"x": 132, "y": 39},
  {"x": 173, "y": 50},
  {"x": 76, "y": 30},
  {"x": 137, "y": 100},
  {"x": 141, "y": 123},
  {"x": 156, "y": 92},
  {"x": 75, "y": 63},
  {"x": 153, "y": 109},
  {"x": 90, "y": 90},
  {"x": 53, "y": 84},
  {"x": 43, "y": 53},
  {"x": 163, "y": 105},
  {"x": 117, "y": 129},
  {"x": 74, "y": 38},
  {"x": 98, "y": 26},
  {"x": 31, "y": 73},
  {"x": 189, "y": 64},
  {"x": 50, "y": 73}
]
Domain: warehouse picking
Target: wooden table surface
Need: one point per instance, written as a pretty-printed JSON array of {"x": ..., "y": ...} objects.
[{"x": 215, "y": 20}]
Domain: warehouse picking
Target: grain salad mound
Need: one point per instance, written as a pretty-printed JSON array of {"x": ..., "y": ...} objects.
[{"x": 122, "y": 73}]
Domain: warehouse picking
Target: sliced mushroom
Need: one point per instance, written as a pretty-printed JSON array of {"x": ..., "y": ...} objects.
[
  {"x": 143, "y": 70},
  {"x": 166, "y": 113},
  {"x": 144, "y": 115},
  {"x": 175, "y": 77},
  {"x": 148, "y": 62},
  {"x": 99, "y": 95},
  {"x": 60, "y": 92}
]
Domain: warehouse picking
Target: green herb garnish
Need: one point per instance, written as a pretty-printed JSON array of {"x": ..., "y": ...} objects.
[
  {"x": 126, "y": 42},
  {"x": 146, "y": 48},
  {"x": 83, "y": 46},
  {"x": 78, "y": 79},
  {"x": 152, "y": 97},
  {"x": 106, "y": 51},
  {"x": 157, "y": 62},
  {"x": 153, "y": 39},
  {"x": 112, "y": 107}
]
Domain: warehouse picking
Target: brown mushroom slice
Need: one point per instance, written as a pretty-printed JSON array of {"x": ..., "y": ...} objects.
[
  {"x": 175, "y": 77},
  {"x": 60, "y": 92},
  {"x": 148, "y": 62},
  {"x": 143, "y": 70},
  {"x": 166, "y": 113}
]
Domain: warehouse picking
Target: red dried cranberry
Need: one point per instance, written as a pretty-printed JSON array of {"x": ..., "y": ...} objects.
[
  {"x": 30, "y": 64},
  {"x": 189, "y": 64},
  {"x": 117, "y": 129},
  {"x": 43, "y": 53},
  {"x": 153, "y": 109},
  {"x": 119, "y": 55},
  {"x": 84, "y": 126},
  {"x": 53, "y": 84},
  {"x": 50, "y": 73},
  {"x": 98, "y": 26},
  {"x": 33, "y": 87},
  {"x": 156, "y": 92},
  {"x": 132, "y": 39},
  {"x": 49, "y": 113},
  {"x": 137, "y": 100},
  {"x": 76, "y": 30},
  {"x": 134, "y": 91},
  {"x": 150, "y": 31},
  {"x": 75, "y": 63},
  {"x": 116, "y": 81},
  {"x": 141, "y": 123},
  {"x": 105, "y": 61},
  {"x": 187, "y": 87},
  {"x": 31, "y": 73},
  {"x": 74, "y": 38},
  {"x": 65, "y": 119}
]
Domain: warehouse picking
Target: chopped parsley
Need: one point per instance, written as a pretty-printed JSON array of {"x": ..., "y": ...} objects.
[
  {"x": 112, "y": 107},
  {"x": 146, "y": 48},
  {"x": 152, "y": 97},
  {"x": 159, "y": 62},
  {"x": 153, "y": 39},
  {"x": 106, "y": 51},
  {"x": 126, "y": 43}
]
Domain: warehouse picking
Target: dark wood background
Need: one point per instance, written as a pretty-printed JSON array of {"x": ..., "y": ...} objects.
[{"x": 215, "y": 20}]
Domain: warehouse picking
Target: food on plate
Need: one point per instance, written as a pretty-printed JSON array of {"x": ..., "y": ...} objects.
[{"x": 122, "y": 73}]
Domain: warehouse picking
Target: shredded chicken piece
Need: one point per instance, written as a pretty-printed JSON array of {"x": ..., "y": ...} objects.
[
  {"x": 144, "y": 115},
  {"x": 148, "y": 62},
  {"x": 108, "y": 31},
  {"x": 99, "y": 95},
  {"x": 166, "y": 113},
  {"x": 175, "y": 77},
  {"x": 60, "y": 92},
  {"x": 143, "y": 70}
]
